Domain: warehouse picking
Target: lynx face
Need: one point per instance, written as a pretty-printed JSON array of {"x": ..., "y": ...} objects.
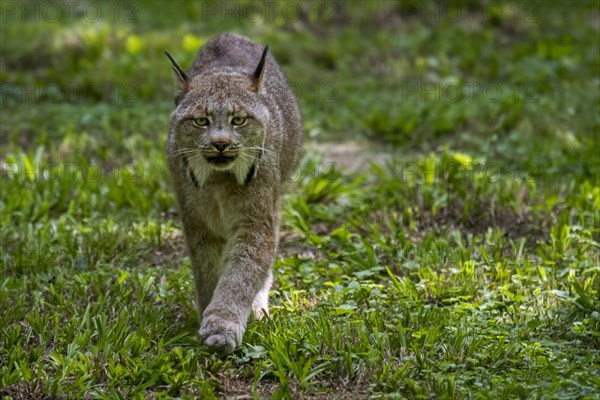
[
  {"x": 220, "y": 122},
  {"x": 220, "y": 125}
]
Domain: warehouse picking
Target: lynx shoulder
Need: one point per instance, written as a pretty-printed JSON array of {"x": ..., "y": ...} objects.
[{"x": 235, "y": 136}]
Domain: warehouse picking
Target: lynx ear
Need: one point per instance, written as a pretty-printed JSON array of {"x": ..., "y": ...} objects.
[
  {"x": 181, "y": 78},
  {"x": 257, "y": 76}
]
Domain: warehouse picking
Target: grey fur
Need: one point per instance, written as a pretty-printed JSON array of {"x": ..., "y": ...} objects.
[{"x": 230, "y": 212}]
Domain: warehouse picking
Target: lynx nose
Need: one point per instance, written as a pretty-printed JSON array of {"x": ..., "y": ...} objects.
[{"x": 220, "y": 145}]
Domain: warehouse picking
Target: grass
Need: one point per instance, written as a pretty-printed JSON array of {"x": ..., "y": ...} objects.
[{"x": 463, "y": 262}]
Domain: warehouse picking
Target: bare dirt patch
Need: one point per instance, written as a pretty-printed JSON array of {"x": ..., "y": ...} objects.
[{"x": 350, "y": 156}]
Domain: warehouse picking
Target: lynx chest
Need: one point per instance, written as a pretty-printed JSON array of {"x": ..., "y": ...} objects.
[{"x": 214, "y": 207}]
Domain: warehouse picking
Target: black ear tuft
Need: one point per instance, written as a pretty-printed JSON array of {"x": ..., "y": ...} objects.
[
  {"x": 257, "y": 76},
  {"x": 181, "y": 77}
]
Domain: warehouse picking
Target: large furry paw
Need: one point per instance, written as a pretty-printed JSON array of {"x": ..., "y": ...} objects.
[{"x": 221, "y": 334}]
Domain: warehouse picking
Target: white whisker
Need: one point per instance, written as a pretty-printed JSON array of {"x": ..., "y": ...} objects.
[
  {"x": 186, "y": 151},
  {"x": 258, "y": 148}
]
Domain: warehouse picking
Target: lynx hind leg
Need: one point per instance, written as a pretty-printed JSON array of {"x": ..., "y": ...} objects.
[{"x": 260, "y": 305}]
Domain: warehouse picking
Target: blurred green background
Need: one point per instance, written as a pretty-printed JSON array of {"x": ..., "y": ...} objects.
[{"x": 490, "y": 77}]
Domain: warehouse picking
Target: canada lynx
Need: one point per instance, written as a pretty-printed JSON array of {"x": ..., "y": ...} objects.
[{"x": 235, "y": 136}]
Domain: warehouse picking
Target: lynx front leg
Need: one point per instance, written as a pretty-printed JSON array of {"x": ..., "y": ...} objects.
[
  {"x": 206, "y": 256},
  {"x": 248, "y": 259}
]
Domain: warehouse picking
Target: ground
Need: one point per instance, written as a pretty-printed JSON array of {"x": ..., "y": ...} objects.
[{"x": 440, "y": 240}]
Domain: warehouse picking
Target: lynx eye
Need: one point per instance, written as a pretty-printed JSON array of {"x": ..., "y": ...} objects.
[
  {"x": 202, "y": 121},
  {"x": 238, "y": 121}
]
